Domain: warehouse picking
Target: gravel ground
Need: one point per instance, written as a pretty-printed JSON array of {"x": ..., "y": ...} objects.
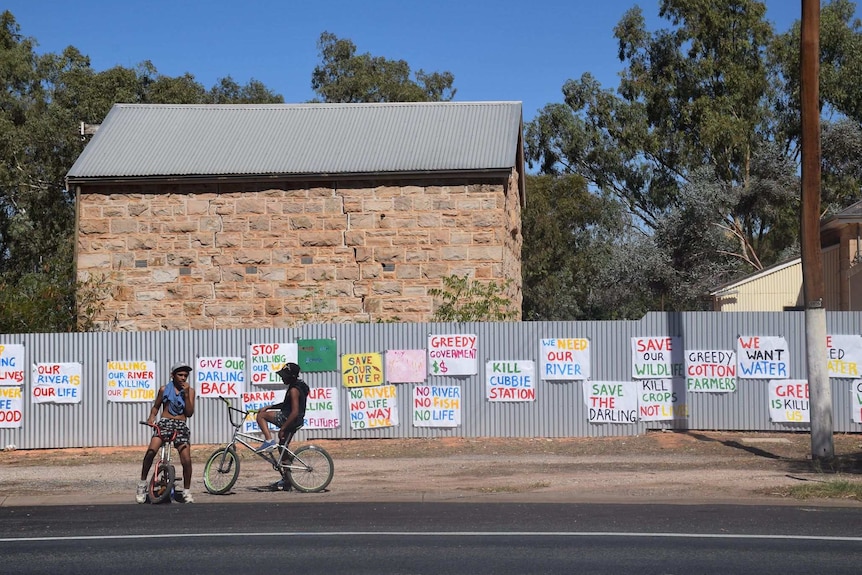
[{"x": 661, "y": 467}]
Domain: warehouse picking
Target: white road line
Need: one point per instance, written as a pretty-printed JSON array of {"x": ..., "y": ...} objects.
[{"x": 573, "y": 534}]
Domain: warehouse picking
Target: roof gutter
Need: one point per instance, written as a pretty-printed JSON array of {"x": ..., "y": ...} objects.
[{"x": 342, "y": 176}]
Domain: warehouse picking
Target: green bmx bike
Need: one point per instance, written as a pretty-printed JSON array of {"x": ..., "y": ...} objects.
[{"x": 309, "y": 469}]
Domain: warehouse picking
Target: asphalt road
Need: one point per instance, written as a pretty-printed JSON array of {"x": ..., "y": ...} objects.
[{"x": 433, "y": 538}]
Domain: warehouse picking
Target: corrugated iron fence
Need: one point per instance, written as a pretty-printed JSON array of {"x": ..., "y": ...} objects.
[{"x": 558, "y": 410}]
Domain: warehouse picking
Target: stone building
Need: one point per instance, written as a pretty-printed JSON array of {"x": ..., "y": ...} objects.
[{"x": 238, "y": 216}]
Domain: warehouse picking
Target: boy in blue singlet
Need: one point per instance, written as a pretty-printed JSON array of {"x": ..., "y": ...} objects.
[{"x": 177, "y": 403}]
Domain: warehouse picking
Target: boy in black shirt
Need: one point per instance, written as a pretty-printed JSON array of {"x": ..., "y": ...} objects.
[{"x": 288, "y": 415}]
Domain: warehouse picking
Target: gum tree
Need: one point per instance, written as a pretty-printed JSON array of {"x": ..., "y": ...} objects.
[
  {"x": 347, "y": 77},
  {"x": 692, "y": 112},
  {"x": 44, "y": 100}
]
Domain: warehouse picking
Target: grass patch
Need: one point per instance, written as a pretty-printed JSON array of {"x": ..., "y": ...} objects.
[
  {"x": 832, "y": 489},
  {"x": 514, "y": 488},
  {"x": 501, "y": 489}
]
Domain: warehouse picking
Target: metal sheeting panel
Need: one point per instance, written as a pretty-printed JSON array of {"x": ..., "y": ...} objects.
[
  {"x": 139, "y": 140},
  {"x": 558, "y": 410}
]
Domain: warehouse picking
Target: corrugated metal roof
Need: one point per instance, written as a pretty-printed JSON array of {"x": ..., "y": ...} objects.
[
  {"x": 849, "y": 215},
  {"x": 139, "y": 140}
]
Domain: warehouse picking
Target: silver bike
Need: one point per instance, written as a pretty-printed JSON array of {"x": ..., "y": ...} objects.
[{"x": 308, "y": 469}]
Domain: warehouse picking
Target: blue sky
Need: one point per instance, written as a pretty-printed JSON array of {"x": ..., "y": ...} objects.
[{"x": 497, "y": 49}]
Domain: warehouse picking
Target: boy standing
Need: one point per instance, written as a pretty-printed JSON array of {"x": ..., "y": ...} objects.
[{"x": 177, "y": 403}]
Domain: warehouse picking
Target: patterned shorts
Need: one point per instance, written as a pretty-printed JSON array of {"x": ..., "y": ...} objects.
[{"x": 167, "y": 427}]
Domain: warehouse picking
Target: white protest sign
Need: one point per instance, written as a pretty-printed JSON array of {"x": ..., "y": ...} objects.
[
  {"x": 710, "y": 370},
  {"x": 856, "y": 401},
  {"x": 56, "y": 383},
  {"x": 267, "y": 358},
  {"x": 564, "y": 359},
  {"x": 220, "y": 376},
  {"x": 611, "y": 401},
  {"x": 510, "y": 380},
  {"x": 372, "y": 407},
  {"x": 844, "y": 355},
  {"x": 437, "y": 406},
  {"x": 131, "y": 381},
  {"x": 11, "y": 406},
  {"x": 255, "y": 400},
  {"x": 656, "y": 357},
  {"x": 662, "y": 399},
  {"x": 788, "y": 401},
  {"x": 11, "y": 364},
  {"x": 762, "y": 357},
  {"x": 322, "y": 408},
  {"x": 452, "y": 354}
]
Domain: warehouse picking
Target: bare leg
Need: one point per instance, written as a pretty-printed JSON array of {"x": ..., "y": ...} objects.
[
  {"x": 186, "y": 459},
  {"x": 152, "y": 449},
  {"x": 265, "y": 416}
]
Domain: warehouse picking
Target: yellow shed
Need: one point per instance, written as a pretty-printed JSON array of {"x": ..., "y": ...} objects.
[
  {"x": 776, "y": 288},
  {"x": 779, "y": 287}
]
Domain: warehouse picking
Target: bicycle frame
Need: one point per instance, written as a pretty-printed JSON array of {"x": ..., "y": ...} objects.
[
  {"x": 308, "y": 469},
  {"x": 252, "y": 442},
  {"x": 163, "y": 474}
]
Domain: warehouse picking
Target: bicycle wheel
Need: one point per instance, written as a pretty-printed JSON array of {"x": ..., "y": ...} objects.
[
  {"x": 221, "y": 471},
  {"x": 311, "y": 470},
  {"x": 161, "y": 483}
]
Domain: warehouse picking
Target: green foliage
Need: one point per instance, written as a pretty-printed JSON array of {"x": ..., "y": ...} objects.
[
  {"x": 683, "y": 177},
  {"x": 840, "y": 66},
  {"x": 569, "y": 236},
  {"x": 464, "y": 300},
  {"x": 90, "y": 296},
  {"x": 840, "y": 97},
  {"x": 347, "y": 77},
  {"x": 317, "y": 308},
  {"x": 841, "y": 149},
  {"x": 47, "y": 299},
  {"x": 693, "y": 95},
  {"x": 35, "y": 211},
  {"x": 635, "y": 279},
  {"x": 227, "y": 91},
  {"x": 832, "y": 489},
  {"x": 43, "y": 101},
  {"x": 313, "y": 307},
  {"x": 39, "y": 300},
  {"x": 380, "y": 320},
  {"x": 694, "y": 144}
]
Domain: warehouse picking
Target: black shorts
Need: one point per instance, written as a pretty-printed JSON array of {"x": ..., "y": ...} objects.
[
  {"x": 167, "y": 427},
  {"x": 281, "y": 418}
]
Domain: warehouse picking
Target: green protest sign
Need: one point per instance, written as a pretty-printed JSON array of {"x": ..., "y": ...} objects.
[{"x": 317, "y": 354}]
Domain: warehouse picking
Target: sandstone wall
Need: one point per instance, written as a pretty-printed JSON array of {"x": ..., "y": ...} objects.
[{"x": 222, "y": 256}]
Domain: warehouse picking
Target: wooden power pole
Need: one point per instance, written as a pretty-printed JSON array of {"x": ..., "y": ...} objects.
[{"x": 820, "y": 392}]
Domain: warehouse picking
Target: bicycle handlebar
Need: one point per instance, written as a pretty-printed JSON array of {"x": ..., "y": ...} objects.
[
  {"x": 231, "y": 409},
  {"x": 158, "y": 429},
  {"x": 227, "y": 402}
]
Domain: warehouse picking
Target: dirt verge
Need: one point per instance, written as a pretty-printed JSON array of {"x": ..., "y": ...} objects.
[{"x": 675, "y": 467}]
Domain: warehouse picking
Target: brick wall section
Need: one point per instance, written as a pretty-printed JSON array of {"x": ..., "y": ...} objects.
[{"x": 223, "y": 256}]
